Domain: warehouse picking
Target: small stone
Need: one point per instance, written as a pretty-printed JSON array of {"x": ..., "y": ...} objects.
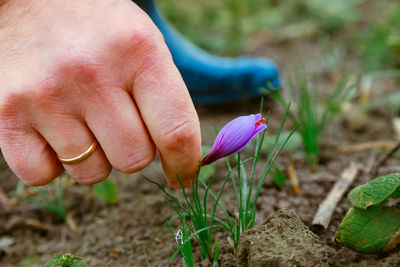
[
  {"x": 5, "y": 243},
  {"x": 283, "y": 240}
]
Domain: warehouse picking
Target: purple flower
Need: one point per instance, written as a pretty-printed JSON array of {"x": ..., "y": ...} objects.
[{"x": 234, "y": 137}]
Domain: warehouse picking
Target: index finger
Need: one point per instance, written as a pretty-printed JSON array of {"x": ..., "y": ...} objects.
[{"x": 169, "y": 114}]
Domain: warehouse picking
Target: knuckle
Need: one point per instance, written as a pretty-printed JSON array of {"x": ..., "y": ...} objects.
[
  {"x": 142, "y": 37},
  {"x": 149, "y": 46},
  {"x": 180, "y": 135},
  {"x": 46, "y": 90},
  {"x": 150, "y": 40},
  {"x": 134, "y": 162},
  {"x": 81, "y": 66},
  {"x": 8, "y": 110}
]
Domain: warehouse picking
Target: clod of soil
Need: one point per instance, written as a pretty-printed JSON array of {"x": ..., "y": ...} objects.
[{"x": 283, "y": 240}]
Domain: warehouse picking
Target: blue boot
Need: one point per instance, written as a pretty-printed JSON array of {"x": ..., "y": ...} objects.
[{"x": 211, "y": 79}]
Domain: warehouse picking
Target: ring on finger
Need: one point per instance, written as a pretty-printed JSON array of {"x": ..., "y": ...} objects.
[{"x": 78, "y": 159}]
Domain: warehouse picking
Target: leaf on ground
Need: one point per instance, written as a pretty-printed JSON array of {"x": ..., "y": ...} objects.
[
  {"x": 396, "y": 193},
  {"x": 375, "y": 191},
  {"x": 372, "y": 230},
  {"x": 106, "y": 191}
]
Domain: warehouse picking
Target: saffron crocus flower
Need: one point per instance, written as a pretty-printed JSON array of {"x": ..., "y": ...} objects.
[{"x": 234, "y": 136}]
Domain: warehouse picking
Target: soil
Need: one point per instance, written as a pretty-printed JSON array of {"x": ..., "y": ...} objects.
[
  {"x": 282, "y": 240},
  {"x": 131, "y": 232}
]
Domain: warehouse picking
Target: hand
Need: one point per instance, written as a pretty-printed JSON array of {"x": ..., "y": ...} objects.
[{"x": 74, "y": 71}]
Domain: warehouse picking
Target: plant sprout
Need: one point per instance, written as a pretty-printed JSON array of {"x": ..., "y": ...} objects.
[
  {"x": 197, "y": 214},
  {"x": 49, "y": 197},
  {"x": 66, "y": 260},
  {"x": 247, "y": 191},
  {"x": 313, "y": 119},
  {"x": 183, "y": 239}
]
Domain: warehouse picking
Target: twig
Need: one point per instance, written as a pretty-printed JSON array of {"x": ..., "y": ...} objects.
[
  {"x": 381, "y": 144},
  {"x": 375, "y": 170},
  {"x": 396, "y": 127},
  {"x": 327, "y": 207},
  {"x": 294, "y": 181}
]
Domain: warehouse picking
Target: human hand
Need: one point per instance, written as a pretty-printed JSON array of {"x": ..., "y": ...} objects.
[{"x": 74, "y": 71}]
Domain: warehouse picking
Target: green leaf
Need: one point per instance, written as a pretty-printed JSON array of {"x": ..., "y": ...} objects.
[
  {"x": 106, "y": 191},
  {"x": 78, "y": 264},
  {"x": 292, "y": 145},
  {"x": 57, "y": 256},
  {"x": 372, "y": 230},
  {"x": 375, "y": 191},
  {"x": 396, "y": 193},
  {"x": 278, "y": 177},
  {"x": 52, "y": 264}
]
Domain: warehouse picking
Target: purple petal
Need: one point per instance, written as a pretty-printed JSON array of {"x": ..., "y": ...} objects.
[{"x": 234, "y": 136}]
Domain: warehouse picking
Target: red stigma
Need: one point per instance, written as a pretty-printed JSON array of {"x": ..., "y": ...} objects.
[{"x": 260, "y": 121}]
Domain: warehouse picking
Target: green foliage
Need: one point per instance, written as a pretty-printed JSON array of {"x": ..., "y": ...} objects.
[
  {"x": 28, "y": 261},
  {"x": 198, "y": 215},
  {"x": 66, "y": 260},
  {"x": 370, "y": 226},
  {"x": 313, "y": 118},
  {"x": 278, "y": 177},
  {"x": 183, "y": 238},
  {"x": 106, "y": 191},
  {"x": 370, "y": 230},
  {"x": 49, "y": 197},
  {"x": 332, "y": 15},
  {"x": 223, "y": 27},
  {"x": 247, "y": 191},
  {"x": 292, "y": 144},
  {"x": 375, "y": 192},
  {"x": 395, "y": 193},
  {"x": 333, "y": 53},
  {"x": 195, "y": 208},
  {"x": 380, "y": 45}
]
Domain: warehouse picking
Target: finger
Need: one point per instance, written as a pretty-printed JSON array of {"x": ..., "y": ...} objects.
[
  {"x": 30, "y": 156},
  {"x": 69, "y": 138},
  {"x": 117, "y": 125},
  {"x": 169, "y": 114}
]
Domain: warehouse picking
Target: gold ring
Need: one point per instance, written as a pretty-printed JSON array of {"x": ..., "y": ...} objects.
[{"x": 81, "y": 157}]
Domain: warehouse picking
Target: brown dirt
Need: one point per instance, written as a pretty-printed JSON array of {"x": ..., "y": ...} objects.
[
  {"x": 282, "y": 240},
  {"x": 119, "y": 235}
]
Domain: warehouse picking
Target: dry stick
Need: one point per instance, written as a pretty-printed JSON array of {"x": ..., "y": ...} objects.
[
  {"x": 396, "y": 127},
  {"x": 375, "y": 170},
  {"x": 294, "y": 182},
  {"x": 382, "y": 144},
  {"x": 327, "y": 207}
]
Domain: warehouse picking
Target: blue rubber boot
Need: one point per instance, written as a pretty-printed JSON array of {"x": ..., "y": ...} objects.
[{"x": 212, "y": 79}]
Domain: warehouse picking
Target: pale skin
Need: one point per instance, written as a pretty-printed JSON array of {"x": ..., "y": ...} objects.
[{"x": 76, "y": 71}]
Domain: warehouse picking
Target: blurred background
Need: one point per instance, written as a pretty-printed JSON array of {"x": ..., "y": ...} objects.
[{"x": 367, "y": 30}]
